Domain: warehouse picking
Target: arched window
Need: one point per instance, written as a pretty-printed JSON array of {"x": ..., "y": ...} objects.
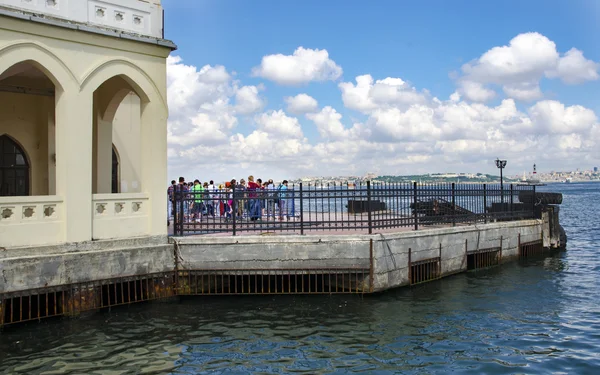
[
  {"x": 14, "y": 169},
  {"x": 115, "y": 172}
]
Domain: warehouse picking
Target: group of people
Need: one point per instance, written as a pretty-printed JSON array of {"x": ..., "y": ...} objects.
[{"x": 255, "y": 200}]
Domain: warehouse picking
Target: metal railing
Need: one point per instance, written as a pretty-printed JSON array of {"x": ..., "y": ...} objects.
[{"x": 360, "y": 208}]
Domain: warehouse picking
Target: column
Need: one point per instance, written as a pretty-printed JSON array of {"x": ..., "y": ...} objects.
[
  {"x": 74, "y": 162},
  {"x": 153, "y": 131}
]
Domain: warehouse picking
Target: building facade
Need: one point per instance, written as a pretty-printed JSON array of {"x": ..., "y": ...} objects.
[{"x": 83, "y": 121}]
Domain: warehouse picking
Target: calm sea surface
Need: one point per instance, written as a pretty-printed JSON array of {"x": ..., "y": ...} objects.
[{"x": 539, "y": 317}]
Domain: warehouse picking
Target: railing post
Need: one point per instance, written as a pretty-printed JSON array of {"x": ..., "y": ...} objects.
[
  {"x": 415, "y": 205},
  {"x": 485, "y": 203},
  {"x": 371, "y": 268},
  {"x": 301, "y": 211},
  {"x": 533, "y": 198},
  {"x": 175, "y": 210},
  {"x": 181, "y": 209},
  {"x": 233, "y": 208},
  {"x": 511, "y": 201},
  {"x": 369, "y": 207},
  {"x": 453, "y": 204}
]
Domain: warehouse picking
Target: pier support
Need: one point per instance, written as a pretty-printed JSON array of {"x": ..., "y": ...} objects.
[{"x": 1, "y": 314}]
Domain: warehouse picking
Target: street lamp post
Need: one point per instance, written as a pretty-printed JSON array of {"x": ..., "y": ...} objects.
[{"x": 501, "y": 164}]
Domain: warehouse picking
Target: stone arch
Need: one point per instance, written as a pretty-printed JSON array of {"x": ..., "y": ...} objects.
[
  {"x": 108, "y": 84},
  {"x": 43, "y": 59},
  {"x": 109, "y": 110},
  {"x": 140, "y": 82}
]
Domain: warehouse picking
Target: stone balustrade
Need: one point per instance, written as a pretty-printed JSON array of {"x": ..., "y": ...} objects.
[
  {"x": 30, "y": 221},
  {"x": 135, "y": 16},
  {"x": 120, "y": 215}
]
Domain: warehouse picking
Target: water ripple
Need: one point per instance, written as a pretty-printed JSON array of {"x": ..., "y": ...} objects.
[{"x": 539, "y": 316}]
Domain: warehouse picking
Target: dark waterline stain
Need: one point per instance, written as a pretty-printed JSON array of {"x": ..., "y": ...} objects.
[{"x": 533, "y": 317}]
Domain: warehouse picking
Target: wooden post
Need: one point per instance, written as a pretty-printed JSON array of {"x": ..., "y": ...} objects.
[{"x": 410, "y": 266}]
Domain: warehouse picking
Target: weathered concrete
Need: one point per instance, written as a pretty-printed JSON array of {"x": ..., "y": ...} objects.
[
  {"x": 390, "y": 251},
  {"x": 273, "y": 252},
  {"x": 38, "y": 267},
  {"x": 452, "y": 244}
]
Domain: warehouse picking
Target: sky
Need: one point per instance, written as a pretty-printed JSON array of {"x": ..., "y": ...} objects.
[{"x": 290, "y": 89}]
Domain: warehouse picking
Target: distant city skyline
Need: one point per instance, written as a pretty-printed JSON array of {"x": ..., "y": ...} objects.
[{"x": 253, "y": 89}]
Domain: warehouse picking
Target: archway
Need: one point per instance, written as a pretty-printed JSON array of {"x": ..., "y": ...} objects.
[
  {"x": 14, "y": 168},
  {"x": 27, "y": 114},
  {"x": 116, "y": 138},
  {"x": 142, "y": 166}
]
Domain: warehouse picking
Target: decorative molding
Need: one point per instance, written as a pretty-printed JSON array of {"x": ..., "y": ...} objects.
[
  {"x": 6, "y": 213},
  {"x": 100, "y": 208},
  {"x": 49, "y": 211},
  {"x": 100, "y": 12},
  {"x": 138, "y": 21},
  {"x": 136, "y": 16},
  {"x": 28, "y": 212}
]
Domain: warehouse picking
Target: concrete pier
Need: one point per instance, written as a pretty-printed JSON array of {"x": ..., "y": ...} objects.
[
  {"x": 99, "y": 274},
  {"x": 390, "y": 251}
]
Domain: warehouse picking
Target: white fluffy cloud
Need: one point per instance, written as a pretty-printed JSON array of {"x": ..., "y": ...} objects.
[
  {"x": 573, "y": 68},
  {"x": 367, "y": 94},
  {"x": 304, "y": 66},
  {"x": 519, "y": 66},
  {"x": 301, "y": 103},
  {"x": 248, "y": 100},
  {"x": 328, "y": 124},
  {"x": 552, "y": 117},
  {"x": 277, "y": 122}
]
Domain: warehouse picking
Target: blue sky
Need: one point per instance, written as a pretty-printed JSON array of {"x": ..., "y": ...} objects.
[{"x": 424, "y": 43}]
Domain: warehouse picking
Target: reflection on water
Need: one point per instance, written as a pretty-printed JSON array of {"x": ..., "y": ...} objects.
[{"x": 541, "y": 316}]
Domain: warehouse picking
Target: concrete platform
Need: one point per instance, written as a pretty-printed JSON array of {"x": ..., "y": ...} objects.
[{"x": 385, "y": 254}]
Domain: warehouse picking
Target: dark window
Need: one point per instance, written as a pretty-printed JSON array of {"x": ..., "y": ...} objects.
[
  {"x": 14, "y": 169},
  {"x": 115, "y": 172}
]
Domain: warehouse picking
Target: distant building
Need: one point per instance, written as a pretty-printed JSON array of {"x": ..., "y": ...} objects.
[{"x": 595, "y": 169}]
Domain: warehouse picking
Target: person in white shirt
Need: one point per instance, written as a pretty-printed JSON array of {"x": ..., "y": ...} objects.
[
  {"x": 271, "y": 199},
  {"x": 213, "y": 199}
]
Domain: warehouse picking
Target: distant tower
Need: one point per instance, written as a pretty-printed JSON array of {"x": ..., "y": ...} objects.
[
  {"x": 595, "y": 169},
  {"x": 534, "y": 169}
]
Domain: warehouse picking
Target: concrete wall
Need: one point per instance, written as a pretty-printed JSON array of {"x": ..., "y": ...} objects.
[
  {"x": 390, "y": 251},
  {"x": 31, "y": 268}
]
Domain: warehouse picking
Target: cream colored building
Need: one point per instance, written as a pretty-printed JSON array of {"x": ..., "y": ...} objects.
[{"x": 83, "y": 120}]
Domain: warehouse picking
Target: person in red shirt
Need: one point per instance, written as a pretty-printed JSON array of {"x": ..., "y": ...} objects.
[{"x": 254, "y": 202}]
